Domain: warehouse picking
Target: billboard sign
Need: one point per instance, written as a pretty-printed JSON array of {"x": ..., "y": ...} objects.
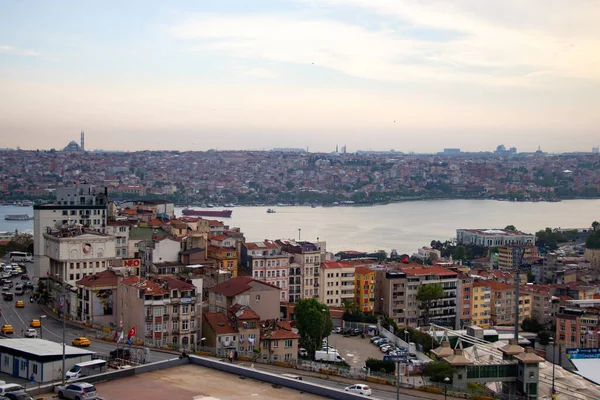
[
  {"x": 132, "y": 262},
  {"x": 577, "y": 353}
]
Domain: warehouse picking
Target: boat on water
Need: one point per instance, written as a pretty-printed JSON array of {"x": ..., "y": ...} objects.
[
  {"x": 271, "y": 211},
  {"x": 208, "y": 213},
  {"x": 18, "y": 217}
]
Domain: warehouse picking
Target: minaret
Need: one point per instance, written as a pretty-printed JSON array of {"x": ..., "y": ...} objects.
[{"x": 82, "y": 141}]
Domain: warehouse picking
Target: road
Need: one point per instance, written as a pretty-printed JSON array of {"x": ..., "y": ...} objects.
[{"x": 52, "y": 329}]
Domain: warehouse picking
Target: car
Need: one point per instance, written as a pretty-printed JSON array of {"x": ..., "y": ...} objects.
[
  {"x": 17, "y": 396},
  {"x": 78, "y": 391},
  {"x": 24, "y": 277},
  {"x": 31, "y": 333},
  {"x": 359, "y": 388},
  {"x": 374, "y": 338},
  {"x": 20, "y": 304},
  {"x": 302, "y": 352},
  {"x": 124, "y": 354},
  {"x": 35, "y": 323},
  {"x": 338, "y": 330},
  {"x": 81, "y": 341},
  {"x": 7, "y": 296},
  {"x": 7, "y": 328},
  {"x": 5, "y": 288}
]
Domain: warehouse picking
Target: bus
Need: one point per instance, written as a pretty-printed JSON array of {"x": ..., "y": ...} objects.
[
  {"x": 20, "y": 256},
  {"x": 87, "y": 368}
]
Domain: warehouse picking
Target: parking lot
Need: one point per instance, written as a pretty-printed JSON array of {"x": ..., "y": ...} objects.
[{"x": 355, "y": 349}]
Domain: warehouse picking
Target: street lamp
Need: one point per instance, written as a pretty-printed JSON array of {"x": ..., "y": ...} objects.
[
  {"x": 553, "y": 393},
  {"x": 446, "y": 381}
]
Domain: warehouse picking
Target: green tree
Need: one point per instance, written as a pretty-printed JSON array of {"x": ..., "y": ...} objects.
[
  {"x": 510, "y": 228},
  {"x": 432, "y": 257},
  {"x": 593, "y": 240},
  {"x": 544, "y": 338},
  {"x": 289, "y": 185},
  {"x": 595, "y": 225},
  {"x": 427, "y": 295},
  {"x": 460, "y": 253},
  {"x": 532, "y": 325},
  {"x": 313, "y": 321},
  {"x": 437, "y": 371}
]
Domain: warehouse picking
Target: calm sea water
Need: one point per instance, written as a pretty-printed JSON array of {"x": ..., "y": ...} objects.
[{"x": 401, "y": 226}]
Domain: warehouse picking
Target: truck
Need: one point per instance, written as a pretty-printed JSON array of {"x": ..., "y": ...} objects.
[
  {"x": 332, "y": 356},
  {"x": 87, "y": 368}
]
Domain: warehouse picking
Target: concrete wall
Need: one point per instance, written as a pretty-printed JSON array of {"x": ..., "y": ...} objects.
[{"x": 307, "y": 387}]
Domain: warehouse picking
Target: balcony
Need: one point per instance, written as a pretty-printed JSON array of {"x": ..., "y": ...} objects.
[
  {"x": 175, "y": 317},
  {"x": 316, "y": 273},
  {"x": 149, "y": 318},
  {"x": 175, "y": 331},
  {"x": 148, "y": 334},
  {"x": 166, "y": 317}
]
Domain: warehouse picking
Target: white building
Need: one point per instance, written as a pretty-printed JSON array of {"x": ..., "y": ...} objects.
[
  {"x": 74, "y": 253},
  {"x": 336, "y": 283},
  {"x": 79, "y": 203},
  {"x": 158, "y": 250},
  {"x": 424, "y": 253},
  {"x": 42, "y": 359},
  {"x": 493, "y": 237},
  {"x": 120, "y": 230}
]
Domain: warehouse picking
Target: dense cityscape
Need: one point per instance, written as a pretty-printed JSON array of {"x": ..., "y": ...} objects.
[
  {"x": 130, "y": 270},
  {"x": 294, "y": 176}
]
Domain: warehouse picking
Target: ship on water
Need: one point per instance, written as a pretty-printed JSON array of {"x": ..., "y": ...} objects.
[
  {"x": 18, "y": 217},
  {"x": 208, "y": 213}
]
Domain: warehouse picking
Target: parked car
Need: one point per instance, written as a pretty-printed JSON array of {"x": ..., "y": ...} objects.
[
  {"x": 78, "y": 391},
  {"x": 302, "y": 352},
  {"x": 360, "y": 389},
  {"x": 31, "y": 333},
  {"x": 374, "y": 338},
  {"x": 8, "y": 296},
  {"x": 81, "y": 341},
  {"x": 17, "y": 396}
]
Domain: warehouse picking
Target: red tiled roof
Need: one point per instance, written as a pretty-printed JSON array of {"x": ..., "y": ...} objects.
[
  {"x": 219, "y": 323},
  {"x": 149, "y": 287},
  {"x": 215, "y": 222},
  {"x": 266, "y": 244},
  {"x": 495, "y": 285},
  {"x": 242, "y": 312},
  {"x": 279, "y": 335},
  {"x": 482, "y": 284},
  {"x": 235, "y": 286},
  {"x": 363, "y": 270},
  {"x": 217, "y": 237},
  {"x": 104, "y": 278},
  {"x": 419, "y": 271},
  {"x": 174, "y": 283}
]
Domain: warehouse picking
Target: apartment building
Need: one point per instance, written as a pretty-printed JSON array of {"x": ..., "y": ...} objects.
[
  {"x": 120, "y": 230},
  {"x": 364, "y": 289},
  {"x": 96, "y": 294},
  {"x": 158, "y": 250},
  {"x": 336, "y": 283},
  {"x": 510, "y": 256},
  {"x": 481, "y": 304},
  {"x": 80, "y": 203},
  {"x": 262, "y": 297},
  {"x": 219, "y": 333},
  {"x": 266, "y": 261},
  {"x": 464, "y": 299},
  {"x": 165, "y": 311},
  {"x": 504, "y": 302},
  {"x": 577, "y": 327},
  {"x": 278, "y": 342},
  {"x": 493, "y": 237},
  {"x": 397, "y": 294},
  {"x": 304, "y": 270},
  {"x": 544, "y": 306}
]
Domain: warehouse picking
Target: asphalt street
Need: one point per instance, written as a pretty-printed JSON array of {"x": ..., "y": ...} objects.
[{"x": 52, "y": 329}]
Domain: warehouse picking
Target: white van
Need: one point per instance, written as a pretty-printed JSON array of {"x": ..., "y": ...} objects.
[
  {"x": 87, "y": 368},
  {"x": 20, "y": 256},
  {"x": 10, "y": 387}
]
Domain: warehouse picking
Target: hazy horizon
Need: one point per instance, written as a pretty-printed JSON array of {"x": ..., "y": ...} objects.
[{"x": 368, "y": 74}]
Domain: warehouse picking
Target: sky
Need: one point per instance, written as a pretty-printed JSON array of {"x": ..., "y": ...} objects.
[{"x": 413, "y": 76}]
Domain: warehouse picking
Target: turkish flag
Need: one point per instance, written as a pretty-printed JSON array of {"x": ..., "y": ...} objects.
[{"x": 131, "y": 333}]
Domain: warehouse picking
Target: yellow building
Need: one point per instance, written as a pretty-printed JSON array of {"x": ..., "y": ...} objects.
[
  {"x": 509, "y": 257},
  {"x": 364, "y": 289},
  {"x": 480, "y": 304},
  {"x": 225, "y": 258}
]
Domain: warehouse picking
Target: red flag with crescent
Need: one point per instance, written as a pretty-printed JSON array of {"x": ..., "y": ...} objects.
[{"x": 131, "y": 333}]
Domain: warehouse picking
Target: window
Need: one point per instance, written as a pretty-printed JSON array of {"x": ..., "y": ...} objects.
[
  {"x": 35, "y": 368},
  {"x": 192, "y": 323},
  {"x": 23, "y": 365},
  {"x": 275, "y": 343},
  {"x": 287, "y": 343},
  {"x": 184, "y": 325},
  {"x": 185, "y": 308},
  {"x": 5, "y": 360},
  {"x": 175, "y": 325},
  {"x": 158, "y": 328},
  {"x": 158, "y": 311},
  {"x": 148, "y": 327},
  {"x": 175, "y": 309},
  {"x": 257, "y": 298}
]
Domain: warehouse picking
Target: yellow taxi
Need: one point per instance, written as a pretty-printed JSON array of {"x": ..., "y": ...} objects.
[
  {"x": 81, "y": 341},
  {"x": 35, "y": 323},
  {"x": 6, "y": 328},
  {"x": 20, "y": 304}
]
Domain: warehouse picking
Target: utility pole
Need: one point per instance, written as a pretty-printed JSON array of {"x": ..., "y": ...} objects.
[
  {"x": 397, "y": 378},
  {"x": 518, "y": 281}
]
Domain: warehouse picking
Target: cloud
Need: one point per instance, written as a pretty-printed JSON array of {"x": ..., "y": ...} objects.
[
  {"x": 483, "y": 50},
  {"x": 13, "y": 50}
]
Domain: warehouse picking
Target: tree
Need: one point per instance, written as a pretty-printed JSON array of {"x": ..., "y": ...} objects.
[
  {"x": 427, "y": 295},
  {"x": 544, "y": 337},
  {"x": 510, "y": 228},
  {"x": 593, "y": 240},
  {"x": 438, "y": 371},
  {"x": 289, "y": 185},
  {"x": 532, "y": 325},
  {"x": 595, "y": 225},
  {"x": 432, "y": 257},
  {"x": 313, "y": 321},
  {"x": 459, "y": 253}
]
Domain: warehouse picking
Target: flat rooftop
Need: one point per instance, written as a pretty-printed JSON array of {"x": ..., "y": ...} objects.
[
  {"x": 41, "y": 347},
  {"x": 191, "y": 382}
]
